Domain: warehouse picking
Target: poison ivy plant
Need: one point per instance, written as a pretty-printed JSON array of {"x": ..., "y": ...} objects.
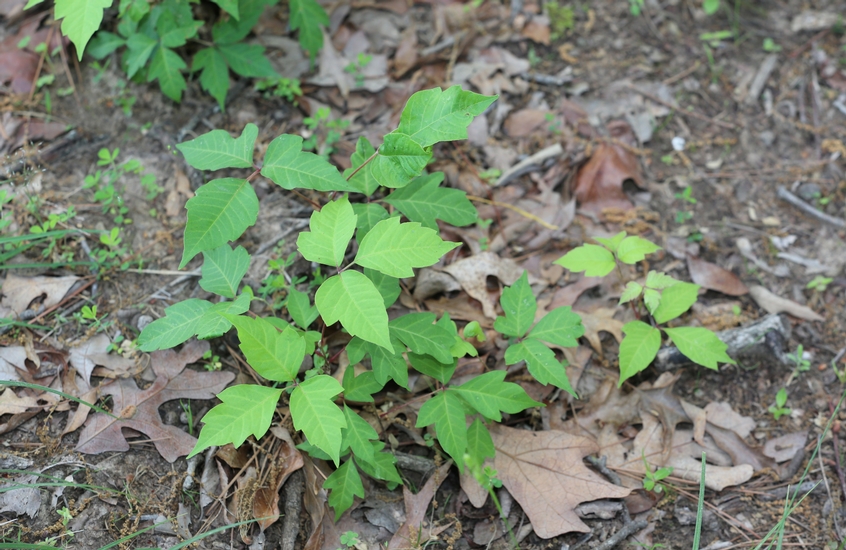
[{"x": 662, "y": 298}]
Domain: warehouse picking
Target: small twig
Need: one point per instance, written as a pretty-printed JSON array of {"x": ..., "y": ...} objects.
[
  {"x": 363, "y": 164},
  {"x": 547, "y": 79},
  {"x": 625, "y": 532},
  {"x": 685, "y": 73},
  {"x": 515, "y": 209},
  {"x": 680, "y": 111},
  {"x": 787, "y": 196},
  {"x": 442, "y": 45},
  {"x": 529, "y": 164},
  {"x": 599, "y": 464}
]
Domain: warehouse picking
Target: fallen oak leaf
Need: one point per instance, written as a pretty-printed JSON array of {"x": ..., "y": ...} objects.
[
  {"x": 286, "y": 461},
  {"x": 600, "y": 319},
  {"x": 599, "y": 182},
  {"x": 138, "y": 409},
  {"x": 414, "y": 533},
  {"x": 714, "y": 277},
  {"x": 11, "y": 403}
]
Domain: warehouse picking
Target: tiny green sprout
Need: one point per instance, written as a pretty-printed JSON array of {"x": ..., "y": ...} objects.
[
  {"x": 534, "y": 59},
  {"x": 778, "y": 410},
  {"x": 819, "y": 283},
  {"x": 735, "y": 309},
  {"x": 683, "y": 216},
  {"x": 769, "y": 45},
  {"x": 651, "y": 480},
  {"x": 636, "y": 7},
  {"x": 686, "y": 195},
  {"x": 89, "y": 313},
  {"x": 667, "y": 159},
  {"x": 490, "y": 175},
  {"x": 350, "y": 539},
  {"x": 710, "y": 7},
  {"x": 66, "y": 515},
  {"x": 474, "y": 330},
  {"x": 798, "y": 358}
]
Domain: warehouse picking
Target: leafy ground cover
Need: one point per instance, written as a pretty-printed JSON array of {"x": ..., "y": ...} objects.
[{"x": 482, "y": 354}]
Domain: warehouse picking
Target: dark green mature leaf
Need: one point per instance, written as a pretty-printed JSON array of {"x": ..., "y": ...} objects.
[
  {"x": 388, "y": 364},
  {"x": 489, "y": 394},
  {"x": 220, "y": 212},
  {"x": 434, "y": 115},
  {"x": 288, "y": 166},
  {"x": 217, "y": 149},
  {"x": 594, "y": 260},
  {"x": 638, "y": 348},
  {"x": 300, "y": 308},
  {"x": 363, "y": 181},
  {"x": 358, "y": 436},
  {"x": 480, "y": 445},
  {"x": 519, "y": 305},
  {"x": 248, "y": 60},
  {"x": 103, "y": 44},
  {"x": 214, "y": 323},
  {"x": 274, "y": 355},
  {"x": 352, "y": 299},
  {"x": 422, "y": 336},
  {"x": 344, "y": 485},
  {"x": 166, "y": 66},
  {"x": 560, "y": 326},
  {"x": 236, "y": 29},
  {"x": 446, "y": 411},
  {"x": 317, "y": 416},
  {"x": 246, "y": 410},
  {"x": 700, "y": 345},
  {"x": 332, "y": 227},
  {"x": 177, "y": 326},
  {"x": 399, "y": 161},
  {"x": 174, "y": 31},
  {"x": 387, "y": 286},
  {"x": 424, "y": 200},
  {"x": 541, "y": 363},
  {"x": 383, "y": 466},
  {"x": 214, "y": 77},
  {"x": 362, "y": 387},
  {"x": 430, "y": 366},
  {"x": 223, "y": 269},
  {"x": 307, "y": 16},
  {"x": 229, "y": 6},
  {"x": 395, "y": 249},
  {"x": 139, "y": 49},
  {"x": 80, "y": 19},
  {"x": 675, "y": 300}
]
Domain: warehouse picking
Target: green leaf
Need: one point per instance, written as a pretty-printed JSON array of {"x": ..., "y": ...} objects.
[
  {"x": 446, "y": 412},
  {"x": 362, "y": 387},
  {"x": 675, "y": 300},
  {"x": 352, "y": 299},
  {"x": 399, "y": 161},
  {"x": 332, "y": 227},
  {"x": 307, "y": 16},
  {"x": 248, "y": 60},
  {"x": 387, "y": 286},
  {"x": 700, "y": 345},
  {"x": 388, "y": 364},
  {"x": 220, "y": 212},
  {"x": 394, "y": 248},
  {"x": 139, "y": 49},
  {"x": 634, "y": 249},
  {"x": 480, "y": 445},
  {"x": 383, "y": 466},
  {"x": 174, "y": 33},
  {"x": 489, "y": 394},
  {"x": 430, "y": 366},
  {"x": 424, "y": 200},
  {"x": 300, "y": 308},
  {"x": 356, "y": 350},
  {"x": 594, "y": 260},
  {"x": 474, "y": 330},
  {"x": 344, "y": 485},
  {"x": 561, "y": 326},
  {"x": 422, "y": 336},
  {"x": 459, "y": 347},
  {"x": 612, "y": 243},
  {"x": 223, "y": 269},
  {"x": 214, "y": 77},
  {"x": 358, "y": 436},
  {"x": 166, "y": 66},
  {"x": 541, "y": 363},
  {"x": 659, "y": 280},
  {"x": 710, "y": 7},
  {"x": 288, "y": 166},
  {"x": 246, "y": 410},
  {"x": 519, "y": 305},
  {"x": 434, "y": 115},
  {"x": 638, "y": 348},
  {"x": 363, "y": 181},
  {"x": 274, "y": 355},
  {"x": 217, "y": 149},
  {"x": 236, "y": 29},
  {"x": 652, "y": 299},
  {"x": 368, "y": 215},
  {"x": 315, "y": 414},
  {"x": 104, "y": 44},
  {"x": 81, "y": 19},
  {"x": 229, "y": 6},
  {"x": 214, "y": 323},
  {"x": 631, "y": 292},
  {"x": 177, "y": 326}
]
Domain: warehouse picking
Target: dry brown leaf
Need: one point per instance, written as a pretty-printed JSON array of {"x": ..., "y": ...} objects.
[
  {"x": 288, "y": 460},
  {"x": 776, "y": 304},
  {"x": 87, "y": 355},
  {"x": 19, "y": 292},
  {"x": 784, "y": 448},
  {"x": 416, "y": 531},
  {"x": 10, "y": 403},
  {"x": 12, "y": 362},
  {"x": 524, "y": 122},
  {"x": 545, "y": 473},
  {"x": 599, "y": 182},
  {"x": 315, "y": 499},
  {"x": 600, "y": 319},
  {"x": 139, "y": 409},
  {"x": 537, "y": 31},
  {"x": 472, "y": 274},
  {"x": 720, "y": 414},
  {"x": 714, "y": 277},
  {"x": 406, "y": 55},
  {"x": 567, "y": 296}
]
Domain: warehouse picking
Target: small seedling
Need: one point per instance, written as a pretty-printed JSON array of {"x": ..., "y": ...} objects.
[
  {"x": 350, "y": 539},
  {"x": 669, "y": 160},
  {"x": 651, "y": 480},
  {"x": 636, "y": 7},
  {"x": 490, "y": 175},
  {"x": 286, "y": 88},
  {"x": 356, "y": 67},
  {"x": 798, "y": 359},
  {"x": 778, "y": 410},
  {"x": 819, "y": 283},
  {"x": 214, "y": 363},
  {"x": 686, "y": 195},
  {"x": 770, "y": 46},
  {"x": 561, "y": 19}
]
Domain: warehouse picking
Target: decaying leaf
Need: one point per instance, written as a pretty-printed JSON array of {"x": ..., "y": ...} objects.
[
  {"x": 92, "y": 352},
  {"x": 714, "y": 277},
  {"x": 600, "y": 319},
  {"x": 416, "y": 530},
  {"x": 11, "y": 403},
  {"x": 472, "y": 274},
  {"x": 25, "y": 500},
  {"x": 776, "y": 304},
  {"x": 288, "y": 460},
  {"x": 19, "y": 292},
  {"x": 324, "y": 535},
  {"x": 599, "y": 182},
  {"x": 138, "y": 409}
]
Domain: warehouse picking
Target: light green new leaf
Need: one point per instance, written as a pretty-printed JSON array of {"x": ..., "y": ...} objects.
[
  {"x": 434, "y": 115},
  {"x": 246, "y": 410},
  {"x": 387, "y": 286},
  {"x": 315, "y": 414},
  {"x": 352, "y": 299},
  {"x": 634, "y": 249},
  {"x": 638, "y": 348},
  {"x": 362, "y": 387},
  {"x": 383, "y": 466},
  {"x": 594, "y": 260},
  {"x": 344, "y": 485},
  {"x": 307, "y": 16},
  {"x": 223, "y": 269},
  {"x": 356, "y": 350},
  {"x": 358, "y": 436},
  {"x": 428, "y": 365},
  {"x": 300, "y": 308},
  {"x": 399, "y": 161},
  {"x": 700, "y": 345},
  {"x": 479, "y": 442},
  {"x": 424, "y": 200},
  {"x": 81, "y": 19},
  {"x": 460, "y": 347},
  {"x": 248, "y": 60},
  {"x": 217, "y": 149},
  {"x": 394, "y": 248},
  {"x": 560, "y": 326},
  {"x": 541, "y": 363},
  {"x": 388, "y": 364},
  {"x": 675, "y": 300},
  {"x": 214, "y": 322},
  {"x": 214, "y": 77},
  {"x": 652, "y": 298},
  {"x": 288, "y": 166},
  {"x": 446, "y": 412},
  {"x": 519, "y": 305},
  {"x": 363, "y": 180},
  {"x": 631, "y": 292},
  {"x": 332, "y": 227},
  {"x": 220, "y": 212},
  {"x": 177, "y": 326},
  {"x": 368, "y": 214},
  {"x": 167, "y": 66},
  {"x": 659, "y": 280},
  {"x": 422, "y": 336},
  {"x": 274, "y": 355},
  {"x": 489, "y": 394},
  {"x": 612, "y": 243}
]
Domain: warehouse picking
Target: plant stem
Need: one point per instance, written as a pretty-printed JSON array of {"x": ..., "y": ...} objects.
[{"x": 363, "y": 164}]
